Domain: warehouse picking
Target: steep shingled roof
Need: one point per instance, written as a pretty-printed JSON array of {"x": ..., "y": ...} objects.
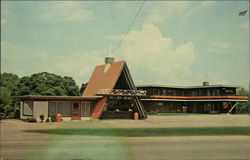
[{"x": 104, "y": 77}]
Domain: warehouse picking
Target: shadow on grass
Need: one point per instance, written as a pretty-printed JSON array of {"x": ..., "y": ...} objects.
[
  {"x": 179, "y": 114},
  {"x": 146, "y": 132}
]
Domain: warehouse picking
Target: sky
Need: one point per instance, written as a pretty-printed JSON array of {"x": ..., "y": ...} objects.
[{"x": 170, "y": 42}]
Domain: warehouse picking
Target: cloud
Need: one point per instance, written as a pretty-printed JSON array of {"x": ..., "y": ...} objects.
[
  {"x": 154, "y": 58},
  {"x": 24, "y": 61},
  {"x": 77, "y": 65},
  {"x": 70, "y": 11},
  {"x": 206, "y": 4},
  {"x": 221, "y": 45},
  {"x": 3, "y": 21},
  {"x": 245, "y": 26},
  {"x": 198, "y": 8},
  {"x": 163, "y": 11}
]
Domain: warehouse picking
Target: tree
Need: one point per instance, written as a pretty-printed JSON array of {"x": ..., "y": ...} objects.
[
  {"x": 8, "y": 86},
  {"x": 242, "y": 92},
  {"x": 5, "y": 99},
  {"x": 83, "y": 87},
  {"x": 70, "y": 86},
  {"x": 242, "y": 107},
  {"x": 9, "y": 81},
  {"x": 47, "y": 84}
]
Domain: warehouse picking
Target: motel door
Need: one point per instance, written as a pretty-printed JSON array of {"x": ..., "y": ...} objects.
[{"x": 76, "y": 111}]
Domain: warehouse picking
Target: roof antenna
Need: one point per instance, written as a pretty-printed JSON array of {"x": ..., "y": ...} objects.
[
  {"x": 206, "y": 72},
  {"x": 108, "y": 60},
  {"x": 110, "y": 50},
  {"x": 205, "y": 83}
]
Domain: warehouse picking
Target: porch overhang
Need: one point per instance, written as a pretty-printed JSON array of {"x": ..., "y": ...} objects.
[
  {"x": 196, "y": 100},
  {"x": 121, "y": 92},
  {"x": 36, "y": 97}
]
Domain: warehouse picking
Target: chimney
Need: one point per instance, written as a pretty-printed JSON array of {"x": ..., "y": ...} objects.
[
  {"x": 205, "y": 83},
  {"x": 109, "y": 60}
]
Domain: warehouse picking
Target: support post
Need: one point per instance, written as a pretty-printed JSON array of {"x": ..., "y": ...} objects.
[{"x": 233, "y": 107}]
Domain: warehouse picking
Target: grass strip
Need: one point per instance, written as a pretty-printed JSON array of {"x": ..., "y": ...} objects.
[{"x": 148, "y": 132}]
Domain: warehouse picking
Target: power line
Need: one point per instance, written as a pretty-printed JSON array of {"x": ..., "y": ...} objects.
[{"x": 130, "y": 26}]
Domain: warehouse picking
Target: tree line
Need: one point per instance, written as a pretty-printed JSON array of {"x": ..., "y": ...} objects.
[{"x": 44, "y": 84}]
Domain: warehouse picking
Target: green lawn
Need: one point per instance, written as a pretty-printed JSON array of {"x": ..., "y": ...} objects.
[
  {"x": 146, "y": 132},
  {"x": 178, "y": 114}
]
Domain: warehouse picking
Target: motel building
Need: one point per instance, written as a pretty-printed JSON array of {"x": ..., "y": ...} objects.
[{"x": 112, "y": 94}]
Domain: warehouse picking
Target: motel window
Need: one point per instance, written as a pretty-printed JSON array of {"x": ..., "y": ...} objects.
[
  {"x": 208, "y": 92},
  {"x": 194, "y": 107},
  {"x": 207, "y": 107},
  {"x": 174, "y": 92},
  {"x": 199, "y": 92},
  {"x": 67, "y": 108},
  {"x": 179, "y": 92},
  {"x": 216, "y": 92},
  {"x": 149, "y": 92},
  {"x": 213, "y": 107},
  {"x": 169, "y": 92},
  {"x": 211, "y": 92},
  {"x": 60, "y": 107},
  {"x": 193, "y": 93},
  {"x": 52, "y": 108},
  {"x": 155, "y": 91},
  {"x": 160, "y": 92},
  {"x": 164, "y": 92},
  {"x": 185, "y": 92},
  {"x": 85, "y": 108},
  {"x": 27, "y": 108},
  {"x": 204, "y": 92}
]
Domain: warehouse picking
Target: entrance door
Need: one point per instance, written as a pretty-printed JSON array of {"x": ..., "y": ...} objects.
[{"x": 76, "y": 111}]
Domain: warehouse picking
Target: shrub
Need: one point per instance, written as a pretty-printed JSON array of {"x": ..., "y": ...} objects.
[
  {"x": 9, "y": 115},
  {"x": 152, "y": 112},
  {"x": 2, "y": 116},
  {"x": 53, "y": 118},
  {"x": 47, "y": 120},
  {"x": 242, "y": 108},
  {"x": 17, "y": 114},
  {"x": 31, "y": 120},
  {"x": 8, "y": 110},
  {"x": 42, "y": 117}
]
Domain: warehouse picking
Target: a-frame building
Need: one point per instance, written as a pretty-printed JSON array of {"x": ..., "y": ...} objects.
[{"x": 120, "y": 97}]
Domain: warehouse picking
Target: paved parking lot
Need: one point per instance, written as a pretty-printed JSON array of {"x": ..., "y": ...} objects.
[{"x": 17, "y": 142}]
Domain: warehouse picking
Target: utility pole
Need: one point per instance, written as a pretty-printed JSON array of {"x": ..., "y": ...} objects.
[{"x": 244, "y": 13}]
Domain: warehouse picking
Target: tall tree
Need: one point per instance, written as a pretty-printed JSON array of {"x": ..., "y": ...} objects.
[
  {"x": 83, "y": 87},
  {"x": 8, "y": 87},
  {"x": 47, "y": 84}
]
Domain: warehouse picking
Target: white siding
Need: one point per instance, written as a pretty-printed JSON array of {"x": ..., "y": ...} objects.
[{"x": 40, "y": 107}]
